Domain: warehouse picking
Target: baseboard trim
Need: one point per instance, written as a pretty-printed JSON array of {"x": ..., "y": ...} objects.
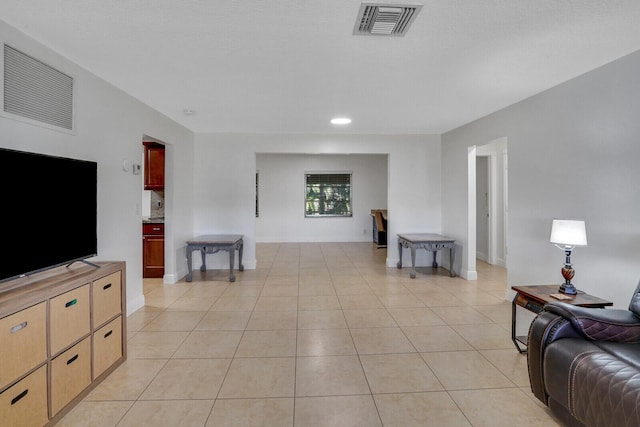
[
  {"x": 469, "y": 274},
  {"x": 135, "y": 304}
]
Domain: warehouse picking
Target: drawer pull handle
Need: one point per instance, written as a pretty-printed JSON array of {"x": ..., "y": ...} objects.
[
  {"x": 18, "y": 397},
  {"x": 70, "y": 303},
  {"x": 18, "y": 327},
  {"x": 105, "y": 287},
  {"x": 156, "y": 229},
  {"x": 108, "y": 333},
  {"x": 73, "y": 359}
]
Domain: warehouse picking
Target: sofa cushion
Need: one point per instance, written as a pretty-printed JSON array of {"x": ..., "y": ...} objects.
[
  {"x": 604, "y": 391},
  {"x": 630, "y": 353},
  {"x": 557, "y": 363},
  {"x": 597, "y": 383}
]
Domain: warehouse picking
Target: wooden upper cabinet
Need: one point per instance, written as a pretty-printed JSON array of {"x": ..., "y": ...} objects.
[{"x": 153, "y": 166}]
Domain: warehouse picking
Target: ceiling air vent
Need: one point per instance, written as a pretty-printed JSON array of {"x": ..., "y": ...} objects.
[
  {"x": 37, "y": 91},
  {"x": 385, "y": 19}
]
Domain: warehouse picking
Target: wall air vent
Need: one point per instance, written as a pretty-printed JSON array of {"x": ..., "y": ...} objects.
[
  {"x": 385, "y": 19},
  {"x": 37, "y": 91}
]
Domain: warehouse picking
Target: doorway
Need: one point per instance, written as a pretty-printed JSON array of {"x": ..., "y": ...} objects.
[
  {"x": 153, "y": 208},
  {"x": 488, "y": 204},
  {"x": 482, "y": 208}
]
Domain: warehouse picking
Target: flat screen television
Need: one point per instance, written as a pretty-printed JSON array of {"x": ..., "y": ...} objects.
[{"x": 48, "y": 214}]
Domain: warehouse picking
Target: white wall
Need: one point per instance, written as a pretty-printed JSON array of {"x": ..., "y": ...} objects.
[
  {"x": 224, "y": 183},
  {"x": 573, "y": 153},
  {"x": 281, "y": 197},
  {"x": 109, "y": 129}
]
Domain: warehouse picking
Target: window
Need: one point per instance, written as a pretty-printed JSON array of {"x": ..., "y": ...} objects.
[{"x": 328, "y": 194}]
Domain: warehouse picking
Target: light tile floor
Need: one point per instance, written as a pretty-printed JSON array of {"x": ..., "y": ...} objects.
[{"x": 319, "y": 335}]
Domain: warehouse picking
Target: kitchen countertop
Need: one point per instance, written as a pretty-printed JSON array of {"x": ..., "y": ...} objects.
[{"x": 153, "y": 221}]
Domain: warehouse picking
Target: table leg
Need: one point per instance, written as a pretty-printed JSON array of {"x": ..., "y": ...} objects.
[
  {"x": 240, "y": 249},
  {"x": 435, "y": 262},
  {"x": 203, "y": 252},
  {"x": 232, "y": 253},
  {"x": 399, "y": 264},
  {"x": 520, "y": 349},
  {"x": 413, "y": 262},
  {"x": 189, "y": 276},
  {"x": 452, "y": 254}
]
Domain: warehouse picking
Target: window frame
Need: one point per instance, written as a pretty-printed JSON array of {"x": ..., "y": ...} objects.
[{"x": 349, "y": 202}]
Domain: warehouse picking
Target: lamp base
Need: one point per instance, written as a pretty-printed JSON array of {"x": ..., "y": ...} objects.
[
  {"x": 568, "y": 272},
  {"x": 568, "y": 289}
]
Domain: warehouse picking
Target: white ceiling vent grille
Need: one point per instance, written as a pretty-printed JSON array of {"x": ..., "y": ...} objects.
[
  {"x": 385, "y": 19},
  {"x": 36, "y": 91}
]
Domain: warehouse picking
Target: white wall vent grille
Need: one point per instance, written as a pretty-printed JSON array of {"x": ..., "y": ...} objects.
[
  {"x": 37, "y": 91},
  {"x": 385, "y": 19}
]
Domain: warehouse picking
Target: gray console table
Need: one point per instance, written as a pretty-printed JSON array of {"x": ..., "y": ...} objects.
[
  {"x": 430, "y": 242},
  {"x": 213, "y": 243}
]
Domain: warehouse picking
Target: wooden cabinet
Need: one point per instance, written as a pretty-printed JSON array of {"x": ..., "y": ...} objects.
[
  {"x": 82, "y": 309},
  {"x": 153, "y": 166},
  {"x": 153, "y": 250},
  {"x": 23, "y": 342},
  {"x": 70, "y": 374},
  {"x": 107, "y": 346},
  {"x": 68, "y": 318},
  {"x": 106, "y": 298},
  {"x": 25, "y": 403}
]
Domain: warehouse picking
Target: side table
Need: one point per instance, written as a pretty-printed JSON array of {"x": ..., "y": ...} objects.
[
  {"x": 533, "y": 298},
  {"x": 213, "y": 243},
  {"x": 430, "y": 242}
]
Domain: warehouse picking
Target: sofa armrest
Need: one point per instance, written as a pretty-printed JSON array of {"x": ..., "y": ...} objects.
[
  {"x": 599, "y": 324},
  {"x": 546, "y": 328}
]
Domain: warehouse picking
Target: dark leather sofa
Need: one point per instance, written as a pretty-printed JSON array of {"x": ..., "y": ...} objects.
[{"x": 584, "y": 363}]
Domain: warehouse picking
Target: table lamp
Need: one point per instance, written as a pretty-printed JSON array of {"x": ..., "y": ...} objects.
[{"x": 566, "y": 234}]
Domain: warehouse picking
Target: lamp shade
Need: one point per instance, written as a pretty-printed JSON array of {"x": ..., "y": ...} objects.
[{"x": 568, "y": 232}]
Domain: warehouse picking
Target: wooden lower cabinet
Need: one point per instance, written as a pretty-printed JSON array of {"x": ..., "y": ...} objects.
[
  {"x": 82, "y": 309},
  {"x": 152, "y": 256},
  {"x": 70, "y": 374},
  {"x": 107, "y": 346},
  {"x": 25, "y": 403}
]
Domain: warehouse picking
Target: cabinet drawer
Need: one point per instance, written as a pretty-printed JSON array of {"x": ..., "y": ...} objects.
[
  {"x": 23, "y": 342},
  {"x": 69, "y": 318},
  {"x": 106, "y": 298},
  {"x": 153, "y": 229},
  {"x": 25, "y": 403},
  {"x": 70, "y": 374},
  {"x": 107, "y": 346}
]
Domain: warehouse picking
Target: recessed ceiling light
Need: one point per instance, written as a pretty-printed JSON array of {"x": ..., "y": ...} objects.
[{"x": 341, "y": 121}]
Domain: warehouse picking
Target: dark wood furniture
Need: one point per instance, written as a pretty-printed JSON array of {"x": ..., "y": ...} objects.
[
  {"x": 534, "y": 297},
  {"x": 213, "y": 243},
  {"x": 154, "y": 161},
  {"x": 153, "y": 250},
  {"x": 428, "y": 241},
  {"x": 62, "y": 332},
  {"x": 379, "y": 217}
]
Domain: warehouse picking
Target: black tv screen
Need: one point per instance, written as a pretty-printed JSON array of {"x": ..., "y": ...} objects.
[{"x": 48, "y": 214}]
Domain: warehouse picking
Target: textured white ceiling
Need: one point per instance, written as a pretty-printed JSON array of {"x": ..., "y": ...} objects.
[{"x": 290, "y": 65}]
